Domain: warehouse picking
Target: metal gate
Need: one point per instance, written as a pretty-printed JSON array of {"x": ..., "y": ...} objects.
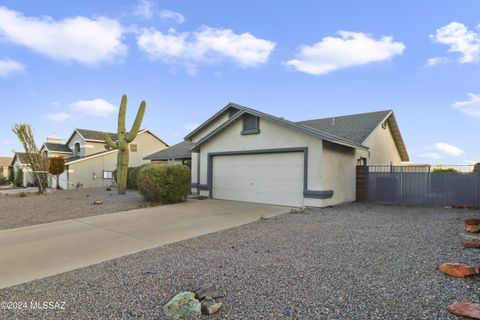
[{"x": 420, "y": 185}]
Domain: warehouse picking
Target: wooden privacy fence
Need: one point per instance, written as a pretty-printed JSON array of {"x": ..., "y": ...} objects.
[{"x": 419, "y": 185}]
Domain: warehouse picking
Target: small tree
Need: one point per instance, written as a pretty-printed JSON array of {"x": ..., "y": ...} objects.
[
  {"x": 57, "y": 167},
  {"x": 11, "y": 176},
  {"x": 19, "y": 178},
  {"x": 37, "y": 160}
]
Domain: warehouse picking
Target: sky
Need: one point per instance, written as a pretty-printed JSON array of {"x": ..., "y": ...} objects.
[{"x": 66, "y": 64}]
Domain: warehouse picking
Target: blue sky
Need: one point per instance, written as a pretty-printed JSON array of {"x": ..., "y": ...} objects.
[{"x": 65, "y": 64}]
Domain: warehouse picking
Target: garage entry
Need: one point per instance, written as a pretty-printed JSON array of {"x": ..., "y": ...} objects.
[{"x": 272, "y": 178}]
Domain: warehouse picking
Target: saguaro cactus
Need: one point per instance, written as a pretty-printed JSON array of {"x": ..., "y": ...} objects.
[{"x": 124, "y": 138}]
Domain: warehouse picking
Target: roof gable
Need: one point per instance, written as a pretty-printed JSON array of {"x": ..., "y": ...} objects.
[
  {"x": 178, "y": 151},
  {"x": 57, "y": 147},
  {"x": 228, "y": 108},
  {"x": 304, "y": 129}
]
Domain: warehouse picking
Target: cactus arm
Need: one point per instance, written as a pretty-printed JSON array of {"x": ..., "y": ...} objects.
[
  {"x": 121, "y": 116},
  {"x": 138, "y": 122},
  {"x": 110, "y": 141}
]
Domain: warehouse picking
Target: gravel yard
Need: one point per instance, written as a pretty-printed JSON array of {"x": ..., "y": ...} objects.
[
  {"x": 348, "y": 262},
  {"x": 61, "y": 205}
]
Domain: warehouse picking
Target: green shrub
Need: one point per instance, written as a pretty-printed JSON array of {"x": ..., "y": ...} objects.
[
  {"x": 11, "y": 178},
  {"x": 132, "y": 176},
  {"x": 19, "y": 178},
  {"x": 167, "y": 183},
  {"x": 445, "y": 170},
  {"x": 3, "y": 180},
  {"x": 22, "y": 194}
]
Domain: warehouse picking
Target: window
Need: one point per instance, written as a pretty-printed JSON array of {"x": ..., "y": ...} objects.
[
  {"x": 133, "y": 148},
  {"x": 250, "y": 124},
  {"x": 107, "y": 174},
  {"x": 77, "y": 148}
]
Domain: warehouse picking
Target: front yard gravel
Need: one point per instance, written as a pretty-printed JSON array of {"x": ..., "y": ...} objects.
[
  {"x": 61, "y": 205},
  {"x": 349, "y": 262}
]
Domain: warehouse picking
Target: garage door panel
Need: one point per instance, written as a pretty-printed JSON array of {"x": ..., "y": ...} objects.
[{"x": 263, "y": 178}]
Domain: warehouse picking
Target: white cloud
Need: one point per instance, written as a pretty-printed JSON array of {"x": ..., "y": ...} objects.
[
  {"x": 59, "y": 117},
  {"x": 440, "y": 150},
  {"x": 436, "y": 60},
  {"x": 8, "y": 66},
  {"x": 80, "y": 39},
  {"x": 95, "y": 107},
  {"x": 172, "y": 15},
  {"x": 191, "y": 127},
  {"x": 459, "y": 39},
  {"x": 207, "y": 45},
  {"x": 144, "y": 9},
  {"x": 471, "y": 106},
  {"x": 348, "y": 50}
]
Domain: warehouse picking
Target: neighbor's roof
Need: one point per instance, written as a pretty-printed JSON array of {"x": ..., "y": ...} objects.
[
  {"x": 5, "y": 161},
  {"x": 355, "y": 127},
  {"x": 178, "y": 151},
  {"x": 57, "y": 147},
  {"x": 94, "y": 135},
  {"x": 22, "y": 157}
]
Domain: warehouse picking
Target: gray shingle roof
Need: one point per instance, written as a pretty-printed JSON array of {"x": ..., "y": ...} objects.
[
  {"x": 178, "y": 151},
  {"x": 22, "y": 157},
  {"x": 356, "y": 127},
  {"x": 96, "y": 135},
  {"x": 57, "y": 147}
]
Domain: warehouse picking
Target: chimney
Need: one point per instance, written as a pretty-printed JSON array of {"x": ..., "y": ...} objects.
[
  {"x": 55, "y": 139},
  {"x": 333, "y": 121}
]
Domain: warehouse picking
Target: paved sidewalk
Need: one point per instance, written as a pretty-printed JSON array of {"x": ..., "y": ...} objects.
[{"x": 39, "y": 251}]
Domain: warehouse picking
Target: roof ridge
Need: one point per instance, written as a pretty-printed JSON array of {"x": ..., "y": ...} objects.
[{"x": 347, "y": 115}]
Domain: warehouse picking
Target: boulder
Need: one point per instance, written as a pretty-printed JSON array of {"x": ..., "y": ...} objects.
[
  {"x": 97, "y": 201},
  {"x": 472, "y": 228},
  {"x": 465, "y": 309},
  {"x": 458, "y": 270},
  {"x": 183, "y": 306},
  {"x": 472, "y": 222},
  {"x": 210, "y": 306},
  {"x": 471, "y": 243}
]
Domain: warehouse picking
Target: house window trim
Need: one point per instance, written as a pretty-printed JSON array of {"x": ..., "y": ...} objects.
[
  {"x": 251, "y": 131},
  {"x": 106, "y": 177}
]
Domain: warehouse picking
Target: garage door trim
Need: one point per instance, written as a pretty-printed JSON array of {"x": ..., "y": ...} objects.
[{"x": 306, "y": 193}]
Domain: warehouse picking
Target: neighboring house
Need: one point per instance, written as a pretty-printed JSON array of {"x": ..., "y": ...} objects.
[
  {"x": 89, "y": 161},
  {"x": 20, "y": 161},
  {"x": 247, "y": 155},
  {"x": 5, "y": 163}
]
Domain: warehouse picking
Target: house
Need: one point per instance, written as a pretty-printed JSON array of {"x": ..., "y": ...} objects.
[
  {"x": 20, "y": 161},
  {"x": 88, "y": 159},
  {"x": 246, "y": 155},
  {"x": 4, "y": 166}
]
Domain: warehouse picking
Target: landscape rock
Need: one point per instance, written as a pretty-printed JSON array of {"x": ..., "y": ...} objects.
[
  {"x": 472, "y": 222},
  {"x": 465, "y": 309},
  {"x": 210, "y": 306},
  {"x": 97, "y": 202},
  {"x": 471, "y": 243},
  {"x": 458, "y": 270},
  {"x": 208, "y": 290},
  {"x": 183, "y": 306},
  {"x": 472, "y": 228}
]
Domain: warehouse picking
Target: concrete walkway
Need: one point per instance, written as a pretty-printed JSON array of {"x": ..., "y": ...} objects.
[{"x": 39, "y": 251}]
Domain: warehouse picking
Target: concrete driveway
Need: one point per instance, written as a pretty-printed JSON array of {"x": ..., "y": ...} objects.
[{"x": 43, "y": 250}]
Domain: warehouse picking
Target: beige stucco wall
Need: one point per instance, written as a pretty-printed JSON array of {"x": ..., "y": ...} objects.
[
  {"x": 273, "y": 136},
  {"x": 83, "y": 171},
  {"x": 382, "y": 148}
]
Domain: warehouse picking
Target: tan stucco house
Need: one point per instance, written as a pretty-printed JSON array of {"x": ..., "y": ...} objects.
[
  {"x": 246, "y": 155},
  {"x": 89, "y": 161}
]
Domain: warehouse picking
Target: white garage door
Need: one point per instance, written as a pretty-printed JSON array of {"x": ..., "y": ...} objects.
[{"x": 275, "y": 178}]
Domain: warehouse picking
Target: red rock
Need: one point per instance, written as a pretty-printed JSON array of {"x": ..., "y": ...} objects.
[
  {"x": 458, "y": 270},
  {"x": 465, "y": 309},
  {"x": 472, "y": 222},
  {"x": 472, "y": 229},
  {"x": 471, "y": 243}
]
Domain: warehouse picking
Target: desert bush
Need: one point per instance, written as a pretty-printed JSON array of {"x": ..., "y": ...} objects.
[
  {"x": 167, "y": 183},
  {"x": 19, "y": 178},
  {"x": 132, "y": 177},
  {"x": 11, "y": 177},
  {"x": 22, "y": 194},
  {"x": 3, "y": 180},
  {"x": 445, "y": 170}
]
